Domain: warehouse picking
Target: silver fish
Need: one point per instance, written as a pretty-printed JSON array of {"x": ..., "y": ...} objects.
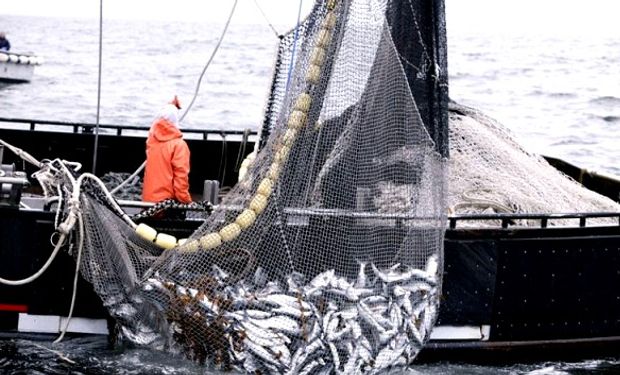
[
  {"x": 395, "y": 277},
  {"x": 432, "y": 265},
  {"x": 279, "y": 323},
  {"x": 309, "y": 368},
  {"x": 360, "y": 283},
  {"x": 335, "y": 356},
  {"x": 263, "y": 353}
]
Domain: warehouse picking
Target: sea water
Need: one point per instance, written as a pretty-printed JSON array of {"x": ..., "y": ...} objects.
[{"x": 559, "y": 95}]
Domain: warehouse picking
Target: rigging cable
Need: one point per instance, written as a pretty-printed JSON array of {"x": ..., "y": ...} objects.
[
  {"x": 295, "y": 39},
  {"x": 98, "y": 86},
  {"x": 217, "y": 46},
  {"x": 267, "y": 19}
]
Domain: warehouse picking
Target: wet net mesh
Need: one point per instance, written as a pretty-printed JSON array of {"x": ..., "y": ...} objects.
[{"x": 327, "y": 255}]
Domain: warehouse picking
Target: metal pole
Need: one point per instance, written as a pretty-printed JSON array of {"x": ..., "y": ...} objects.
[{"x": 98, "y": 87}]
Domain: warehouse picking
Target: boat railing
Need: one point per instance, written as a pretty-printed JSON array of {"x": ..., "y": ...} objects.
[
  {"x": 119, "y": 130},
  {"x": 508, "y": 219}
]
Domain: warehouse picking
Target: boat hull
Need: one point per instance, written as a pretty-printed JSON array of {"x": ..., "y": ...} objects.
[
  {"x": 507, "y": 293},
  {"x": 16, "y": 72}
]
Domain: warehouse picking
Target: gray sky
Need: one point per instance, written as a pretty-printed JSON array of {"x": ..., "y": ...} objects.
[
  {"x": 544, "y": 16},
  {"x": 283, "y": 12}
]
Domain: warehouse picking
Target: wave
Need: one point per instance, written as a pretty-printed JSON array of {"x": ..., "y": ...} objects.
[
  {"x": 606, "y": 100},
  {"x": 611, "y": 119},
  {"x": 555, "y": 95}
]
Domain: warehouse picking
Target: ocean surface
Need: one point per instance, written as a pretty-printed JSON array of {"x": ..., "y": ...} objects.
[{"x": 559, "y": 94}]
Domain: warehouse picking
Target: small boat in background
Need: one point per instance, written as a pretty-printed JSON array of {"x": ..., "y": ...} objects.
[{"x": 17, "y": 67}]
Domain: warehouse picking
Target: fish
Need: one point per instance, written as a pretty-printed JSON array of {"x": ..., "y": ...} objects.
[
  {"x": 361, "y": 281},
  {"x": 335, "y": 356},
  {"x": 394, "y": 277},
  {"x": 388, "y": 356}
]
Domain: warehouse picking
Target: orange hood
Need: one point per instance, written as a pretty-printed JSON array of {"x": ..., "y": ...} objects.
[{"x": 163, "y": 131}]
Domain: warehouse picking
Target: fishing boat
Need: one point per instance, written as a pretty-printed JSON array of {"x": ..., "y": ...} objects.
[
  {"x": 510, "y": 291},
  {"x": 17, "y": 67}
]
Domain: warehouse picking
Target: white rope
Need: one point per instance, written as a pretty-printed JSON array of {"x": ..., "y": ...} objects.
[
  {"x": 40, "y": 271},
  {"x": 75, "y": 279},
  {"x": 74, "y": 215},
  {"x": 22, "y": 154},
  {"x": 134, "y": 174},
  {"x": 59, "y": 354}
]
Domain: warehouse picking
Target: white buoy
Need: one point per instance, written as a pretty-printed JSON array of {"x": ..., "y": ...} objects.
[
  {"x": 146, "y": 232},
  {"x": 297, "y": 119},
  {"x": 265, "y": 187},
  {"x": 303, "y": 102},
  {"x": 314, "y": 74},
  {"x": 188, "y": 246},
  {"x": 4, "y": 57},
  {"x": 230, "y": 232},
  {"x": 318, "y": 56},
  {"x": 246, "y": 218},
  {"x": 258, "y": 203},
  {"x": 165, "y": 240},
  {"x": 274, "y": 171},
  {"x": 210, "y": 241}
]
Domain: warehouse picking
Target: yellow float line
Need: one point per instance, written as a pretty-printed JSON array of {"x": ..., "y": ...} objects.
[{"x": 296, "y": 122}]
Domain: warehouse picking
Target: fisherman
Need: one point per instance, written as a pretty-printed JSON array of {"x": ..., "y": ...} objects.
[
  {"x": 4, "y": 42},
  {"x": 166, "y": 175}
]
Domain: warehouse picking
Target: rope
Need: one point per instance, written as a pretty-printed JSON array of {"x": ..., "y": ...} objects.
[
  {"x": 98, "y": 86},
  {"x": 296, "y": 37},
  {"x": 217, "y": 46},
  {"x": 59, "y": 354},
  {"x": 241, "y": 153},
  {"x": 267, "y": 19},
  {"x": 471, "y": 201},
  {"x": 22, "y": 154},
  {"x": 134, "y": 174},
  {"x": 36, "y": 275},
  {"x": 75, "y": 280},
  {"x": 223, "y": 159}
]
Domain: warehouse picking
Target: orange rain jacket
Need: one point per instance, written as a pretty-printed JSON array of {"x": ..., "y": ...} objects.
[{"x": 167, "y": 164}]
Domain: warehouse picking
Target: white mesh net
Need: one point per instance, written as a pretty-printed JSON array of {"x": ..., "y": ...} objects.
[
  {"x": 327, "y": 255},
  {"x": 491, "y": 173}
]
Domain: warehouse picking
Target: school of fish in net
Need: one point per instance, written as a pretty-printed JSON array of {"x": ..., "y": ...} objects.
[{"x": 379, "y": 321}]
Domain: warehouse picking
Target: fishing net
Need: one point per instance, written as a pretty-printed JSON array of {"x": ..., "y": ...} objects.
[
  {"x": 491, "y": 173},
  {"x": 327, "y": 256}
]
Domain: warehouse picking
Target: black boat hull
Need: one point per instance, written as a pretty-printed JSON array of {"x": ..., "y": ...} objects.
[{"x": 507, "y": 293}]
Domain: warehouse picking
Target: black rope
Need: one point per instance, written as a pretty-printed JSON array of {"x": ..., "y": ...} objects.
[
  {"x": 241, "y": 153},
  {"x": 223, "y": 159}
]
